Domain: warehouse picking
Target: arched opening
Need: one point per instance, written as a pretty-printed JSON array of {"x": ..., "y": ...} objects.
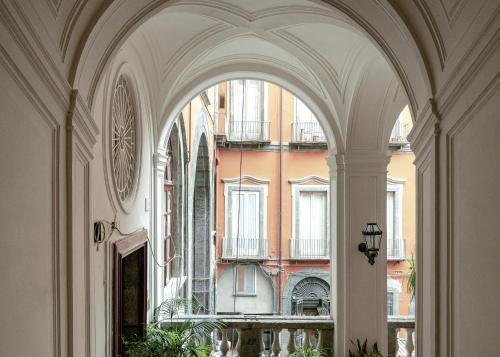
[
  {"x": 342, "y": 109},
  {"x": 202, "y": 280}
]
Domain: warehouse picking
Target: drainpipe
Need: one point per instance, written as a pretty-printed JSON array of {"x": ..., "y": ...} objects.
[{"x": 280, "y": 216}]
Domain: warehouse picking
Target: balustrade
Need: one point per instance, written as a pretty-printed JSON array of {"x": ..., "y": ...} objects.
[{"x": 244, "y": 336}]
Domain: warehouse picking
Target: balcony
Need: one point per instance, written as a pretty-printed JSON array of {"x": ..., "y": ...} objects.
[
  {"x": 396, "y": 249},
  {"x": 244, "y": 248},
  {"x": 253, "y": 335},
  {"x": 247, "y": 131},
  {"x": 399, "y": 134},
  {"x": 309, "y": 249},
  {"x": 308, "y": 134}
]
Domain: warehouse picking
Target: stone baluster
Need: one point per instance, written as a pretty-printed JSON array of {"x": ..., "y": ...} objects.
[
  {"x": 276, "y": 342},
  {"x": 224, "y": 346},
  {"x": 393, "y": 345},
  {"x": 319, "y": 343},
  {"x": 409, "y": 341},
  {"x": 291, "y": 341},
  {"x": 262, "y": 344},
  {"x": 307, "y": 338},
  {"x": 238, "y": 344}
]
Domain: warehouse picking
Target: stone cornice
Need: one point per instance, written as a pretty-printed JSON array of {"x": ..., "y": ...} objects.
[{"x": 254, "y": 180}]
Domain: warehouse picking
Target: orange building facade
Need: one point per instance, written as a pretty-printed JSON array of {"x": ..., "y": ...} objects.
[{"x": 272, "y": 206}]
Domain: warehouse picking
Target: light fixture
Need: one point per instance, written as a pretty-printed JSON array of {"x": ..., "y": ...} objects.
[{"x": 372, "y": 235}]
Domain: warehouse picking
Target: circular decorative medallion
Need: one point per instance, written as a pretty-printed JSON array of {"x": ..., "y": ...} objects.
[{"x": 123, "y": 139}]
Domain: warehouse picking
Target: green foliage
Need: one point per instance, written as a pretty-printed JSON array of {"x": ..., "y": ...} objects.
[
  {"x": 169, "y": 338},
  {"x": 308, "y": 352},
  {"x": 362, "y": 350},
  {"x": 411, "y": 283}
]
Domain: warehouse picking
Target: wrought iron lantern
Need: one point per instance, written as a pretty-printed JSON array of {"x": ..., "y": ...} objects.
[{"x": 372, "y": 235}]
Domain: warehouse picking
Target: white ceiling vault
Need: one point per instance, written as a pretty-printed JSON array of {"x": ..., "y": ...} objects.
[{"x": 352, "y": 80}]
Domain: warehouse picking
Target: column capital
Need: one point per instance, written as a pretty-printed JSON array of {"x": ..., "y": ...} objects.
[
  {"x": 359, "y": 162},
  {"x": 159, "y": 161}
]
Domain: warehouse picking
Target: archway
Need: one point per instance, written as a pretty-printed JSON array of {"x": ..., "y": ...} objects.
[
  {"x": 308, "y": 74},
  {"x": 202, "y": 282}
]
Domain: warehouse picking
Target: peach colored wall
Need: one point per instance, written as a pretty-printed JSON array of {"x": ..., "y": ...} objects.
[
  {"x": 265, "y": 165},
  {"x": 401, "y": 167},
  {"x": 296, "y": 165}
]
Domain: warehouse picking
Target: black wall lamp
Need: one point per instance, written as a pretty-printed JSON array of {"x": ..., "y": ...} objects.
[{"x": 372, "y": 236}]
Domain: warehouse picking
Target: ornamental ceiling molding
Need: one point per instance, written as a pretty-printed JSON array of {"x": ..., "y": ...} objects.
[
  {"x": 69, "y": 25},
  {"x": 453, "y": 12},
  {"x": 244, "y": 59},
  {"x": 30, "y": 44},
  {"x": 385, "y": 48},
  {"x": 191, "y": 45},
  {"x": 433, "y": 28},
  {"x": 324, "y": 64}
]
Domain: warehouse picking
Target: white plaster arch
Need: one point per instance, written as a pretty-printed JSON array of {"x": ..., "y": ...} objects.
[
  {"x": 261, "y": 72},
  {"x": 378, "y": 20}
]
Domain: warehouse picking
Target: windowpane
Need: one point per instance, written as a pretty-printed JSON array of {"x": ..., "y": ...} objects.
[
  {"x": 390, "y": 303},
  {"x": 246, "y": 280},
  {"x": 312, "y": 215},
  {"x": 302, "y": 113},
  {"x": 390, "y": 216}
]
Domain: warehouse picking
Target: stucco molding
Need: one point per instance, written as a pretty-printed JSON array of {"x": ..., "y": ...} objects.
[
  {"x": 310, "y": 178},
  {"x": 254, "y": 180},
  {"x": 295, "y": 278},
  {"x": 31, "y": 45},
  {"x": 451, "y": 179}
]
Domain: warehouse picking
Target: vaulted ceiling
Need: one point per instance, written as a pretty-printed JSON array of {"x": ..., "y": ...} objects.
[{"x": 309, "y": 47}]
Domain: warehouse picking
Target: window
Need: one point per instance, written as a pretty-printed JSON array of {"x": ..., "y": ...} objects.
[
  {"x": 306, "y": 127},
  {"x": 245, "y": 280},
  {"x": 302, "y": 113},
  {"x": 310, "y": 217},
  {"x": 169, "y": 246},
  {"x": 245, "y": 218},
  {"x": 393, "y": 290},
  {"x": 247, "y": 109},
  {"x": 391, "y": 303},
  {"x": 394, "y": 226},
  {"x": 390, "y": 215},
  {"x": 245, "y": 231}
]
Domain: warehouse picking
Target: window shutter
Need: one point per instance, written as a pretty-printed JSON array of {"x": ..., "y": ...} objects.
[{"x": 390, "y": 216}]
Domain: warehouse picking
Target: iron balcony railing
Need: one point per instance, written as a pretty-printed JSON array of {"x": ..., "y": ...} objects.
[
  {"x": 237, "y": 130},
  {"x": 399, "y": 133},
  {"x": 396, "y": 249},
  {"x": 257, "y": 335},
  {"x": 308, "y": 248},
  {"x": 307, "y": 132},
  {"x": 244, "y": 248}
]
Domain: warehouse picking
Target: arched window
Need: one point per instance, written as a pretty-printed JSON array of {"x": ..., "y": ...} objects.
[{"x": 169, "y": 246}]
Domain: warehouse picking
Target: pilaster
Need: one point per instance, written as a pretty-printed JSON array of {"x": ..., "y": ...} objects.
[
  {"x": 359, "y": 189},
  {"x": 81, "y": 136}
]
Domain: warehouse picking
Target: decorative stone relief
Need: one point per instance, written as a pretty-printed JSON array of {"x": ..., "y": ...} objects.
[{"x": 123, "y": 139}]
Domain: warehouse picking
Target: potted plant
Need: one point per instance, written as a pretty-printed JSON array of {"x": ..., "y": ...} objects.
[
  {"x": 362, "y": 350},
  {"x": 308, "y": 352},
  {"x": 411, "y": 283},
  {"x": 166, "y": 337}
]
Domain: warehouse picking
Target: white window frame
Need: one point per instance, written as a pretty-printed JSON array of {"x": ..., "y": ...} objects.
[
  {"x": 240, "y": 293},
  {"x": 257, "y": 185},
  {"x": 304, "y": 185},
  {"x": 394, "y": 287},
  {"x": 295, "y": 102},
  {"x": 397, "y": 186},
  {"x": 264, "y": 101}
]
